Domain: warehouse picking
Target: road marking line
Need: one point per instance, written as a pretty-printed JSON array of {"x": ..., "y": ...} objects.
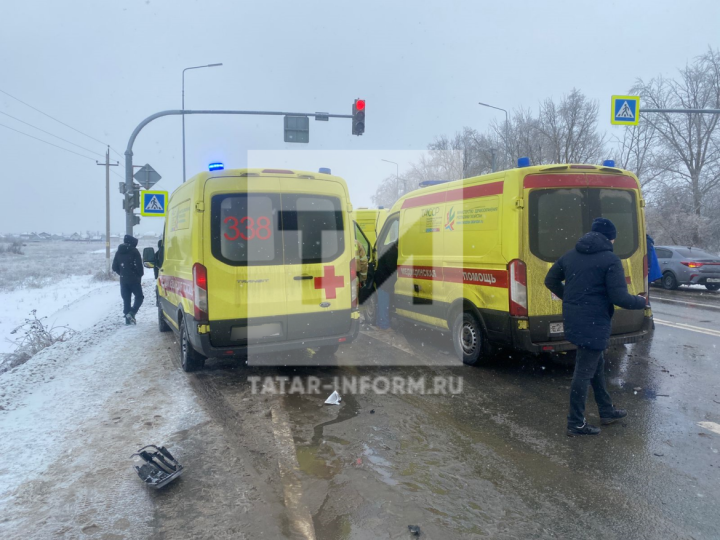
[
  {"x": 711, "y": 426},
  {"x": 662, "y": 299},
  {"x": 298, "y": 512},
  {"x": 683, "y": 326}
]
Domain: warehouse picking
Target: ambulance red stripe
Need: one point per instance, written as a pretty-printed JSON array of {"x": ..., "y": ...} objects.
[
  {"x": 470, "y": 276},
  {"x": 469, "y": 192}
]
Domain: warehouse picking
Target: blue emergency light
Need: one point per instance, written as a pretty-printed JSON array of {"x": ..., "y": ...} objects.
[
  {"x": 216, "y": 166},
  {"x": 609, "y": 163},
  {"x": 523, "y": 162},
  {"x": 325, "y": 170}
]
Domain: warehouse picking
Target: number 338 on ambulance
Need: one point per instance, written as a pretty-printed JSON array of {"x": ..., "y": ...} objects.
[{"x": 257, "y": 260}]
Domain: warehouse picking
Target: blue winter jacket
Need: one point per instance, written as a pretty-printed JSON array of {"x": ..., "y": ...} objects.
[
  {"x": 594, "y": 283},
  {"x": 654, "y": 271}
]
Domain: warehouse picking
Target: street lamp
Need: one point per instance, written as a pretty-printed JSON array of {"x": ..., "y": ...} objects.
[
  {"x": 397, "y": 178},
  {"x": 183, "y": 107},
  {"x": 507, "y": 138}
]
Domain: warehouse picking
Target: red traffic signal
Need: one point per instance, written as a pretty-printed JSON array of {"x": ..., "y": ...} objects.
[{"x": 358, "y": 117}]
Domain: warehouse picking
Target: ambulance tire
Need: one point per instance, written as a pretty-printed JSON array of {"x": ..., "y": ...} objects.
[
  {"x": 468, "y": 339},
  {"x": 190, "y": 359},
  {"x": 163, "y": 326},
  {"x": 370, "y": 310}
]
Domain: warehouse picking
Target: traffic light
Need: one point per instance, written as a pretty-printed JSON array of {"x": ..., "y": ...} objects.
[
  {"x": 358, "y": 117},
  {"x": 133, "y": 198}
]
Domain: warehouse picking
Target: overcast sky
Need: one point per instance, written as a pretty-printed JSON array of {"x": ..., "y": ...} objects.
[{"x": 102, "y": 67}]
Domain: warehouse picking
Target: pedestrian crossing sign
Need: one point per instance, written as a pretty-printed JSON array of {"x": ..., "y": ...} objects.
[
  {"x": 625, "y": 110},
  {"x": 153, "y": 203}
]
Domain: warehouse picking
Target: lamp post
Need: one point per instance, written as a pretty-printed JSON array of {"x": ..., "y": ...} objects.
[
  {"x": 507, "y": 138},
  {"x": 397, "y": 177},
  {"x": 183, "y": 108}
]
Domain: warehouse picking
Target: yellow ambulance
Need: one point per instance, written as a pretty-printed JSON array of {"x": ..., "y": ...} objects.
[
  {"x": 473, "y": 253},
  {"x": 257, "y": 260}
]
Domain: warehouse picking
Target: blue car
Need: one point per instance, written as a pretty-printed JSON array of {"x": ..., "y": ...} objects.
[{"x": 688, "y": 266}]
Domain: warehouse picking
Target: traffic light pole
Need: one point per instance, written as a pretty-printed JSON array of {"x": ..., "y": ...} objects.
[{"x": 130, "y": 216}]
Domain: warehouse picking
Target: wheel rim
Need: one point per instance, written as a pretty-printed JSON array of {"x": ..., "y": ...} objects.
[
  {"x": 468, "y": 338},
  {"x": 668, "y": 281}
]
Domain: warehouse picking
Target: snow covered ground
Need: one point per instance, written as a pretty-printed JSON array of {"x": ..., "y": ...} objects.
[{"x": 56, "y": 280}]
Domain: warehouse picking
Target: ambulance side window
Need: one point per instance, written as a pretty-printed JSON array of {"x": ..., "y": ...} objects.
[{"x": 388, "y": 235}]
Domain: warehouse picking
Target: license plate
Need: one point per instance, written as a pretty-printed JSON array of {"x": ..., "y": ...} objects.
[
  {"x": 713, "y": 280},
  {"x": 557, "y": 328}
]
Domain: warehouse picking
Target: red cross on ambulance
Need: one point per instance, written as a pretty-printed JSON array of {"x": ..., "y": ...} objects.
[{"x": 329, "y": 282}]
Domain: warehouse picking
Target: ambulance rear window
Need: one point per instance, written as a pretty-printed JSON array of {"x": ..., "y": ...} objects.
[
  {"x": 312, "y": 228},
  {"x": 559, "y": 217},
  {"x": 244, "y": 229}
]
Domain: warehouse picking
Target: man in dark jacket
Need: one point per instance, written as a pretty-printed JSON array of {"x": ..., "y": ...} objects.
[
  {"x": 385, "y": 278},
  {"x": 594, "y": 283},
  {"x": 128, "y": 265}
]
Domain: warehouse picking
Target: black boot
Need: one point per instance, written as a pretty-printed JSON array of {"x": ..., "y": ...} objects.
[
  {"x": 127, "y": 319},
  {"x": 585, "y": 429},
  {"x": 616, "y": 415}
]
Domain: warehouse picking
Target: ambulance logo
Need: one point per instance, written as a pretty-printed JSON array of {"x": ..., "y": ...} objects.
[{"x": 450, "y": 219}]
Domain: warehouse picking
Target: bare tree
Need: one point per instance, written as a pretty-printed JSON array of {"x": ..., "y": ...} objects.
[
  {"x": 569, "y": 130},
  {"x": 638, "y": 151},
  {"x": 690, "y": 143}
]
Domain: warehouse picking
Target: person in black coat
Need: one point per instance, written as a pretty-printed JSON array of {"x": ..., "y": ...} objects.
[
  {"x": 385, "y": 278},
  {"x": 594, "y": 283},
  {"x": 128, "y": 265}
]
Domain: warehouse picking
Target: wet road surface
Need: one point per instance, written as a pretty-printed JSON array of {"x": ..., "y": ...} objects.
[{"x": 491, "y": 461}]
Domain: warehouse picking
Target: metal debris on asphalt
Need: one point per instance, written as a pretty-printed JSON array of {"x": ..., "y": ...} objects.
[
  {"x": 156, "y": 466},
  {"x": 334, "y": 399},
  {"x": 414, "y": 530}
]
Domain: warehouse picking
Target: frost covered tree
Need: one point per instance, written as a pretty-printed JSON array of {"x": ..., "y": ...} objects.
[{"x": 688, "y": 151}]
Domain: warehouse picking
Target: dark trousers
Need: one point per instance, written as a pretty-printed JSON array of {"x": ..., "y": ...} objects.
[
  {"x": 126, "y": 291},
  {"x": 589, "y": 370}
]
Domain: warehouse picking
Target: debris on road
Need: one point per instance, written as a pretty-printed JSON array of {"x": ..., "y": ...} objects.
[
  {"x": 372, "y": 411},
  {"x": 414, "y": 530},
  {"x": 334, "y": 399},
  {"x": 158, "y": 468},
  {"x": 658, "y": 454}
]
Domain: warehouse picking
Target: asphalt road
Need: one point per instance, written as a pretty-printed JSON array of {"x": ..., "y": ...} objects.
[
  {"x": 493, "y": 460},
  {"x": 488, "y": 460}
]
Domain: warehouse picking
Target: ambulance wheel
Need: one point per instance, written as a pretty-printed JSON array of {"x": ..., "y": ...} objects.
[
  {"x": 163, "y": 326},
  {"x": 467, "y": 337},
  {"x": 669, "y": 282},
  {"x": 370, "y": 310},
  {"x": 190, "y": 359}
]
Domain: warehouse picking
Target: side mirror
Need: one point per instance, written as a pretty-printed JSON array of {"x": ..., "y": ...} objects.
[{"x": 149, "y": 257}]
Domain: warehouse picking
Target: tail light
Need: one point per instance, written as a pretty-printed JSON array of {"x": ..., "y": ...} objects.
[
  {"x": 690, "y": 264},
  {"x": 518, "y": 288},
  {"x": 647, "y": 283},
  {"x": 200, "y": 294},
  {"x": 354, "y": 283}
]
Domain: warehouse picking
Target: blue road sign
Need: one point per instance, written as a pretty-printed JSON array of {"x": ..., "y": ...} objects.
[
  {"x": 625, "y": 110},
  {"x": 153, "y": 203}
]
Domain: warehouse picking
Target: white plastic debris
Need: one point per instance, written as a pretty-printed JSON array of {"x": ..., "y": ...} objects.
[{"x": 334, "y": 399}]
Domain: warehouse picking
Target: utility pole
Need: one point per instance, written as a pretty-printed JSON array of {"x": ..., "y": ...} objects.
[{"x": 107, "y": 166}]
